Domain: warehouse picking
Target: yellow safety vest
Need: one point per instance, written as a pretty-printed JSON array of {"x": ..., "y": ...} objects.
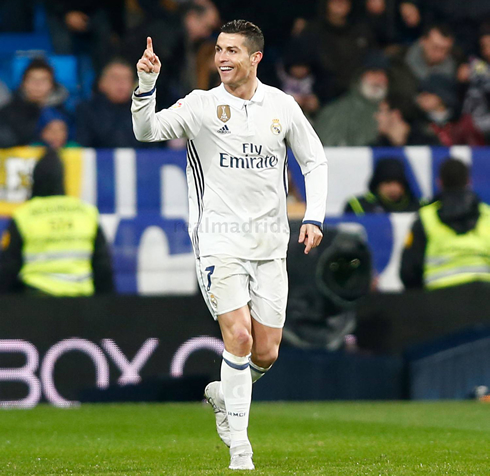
[
  {"x": 452, "y": 259},
  {"x": 58, "y": 236}
]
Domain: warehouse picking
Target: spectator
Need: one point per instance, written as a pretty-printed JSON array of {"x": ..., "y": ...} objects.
[
  {"x": 349, "y": 121},
  {"x": 432, "y": 54},
  {"x": 463, "y": 16},
  {"x": 297, "y": 77},
  {"x": 477, "y": 100},
  {"x": 53, "y": 129},
  {"x": 409, "y": 21},
  {"x": 379, "y": 19},
  {"x": 105, "y": 119},
  {"x": 389, "y": 191},
  {"x": 400, "y": 124},
  {"x": 53, "y": 244},
  {"x": 85, "y": 26},
  {"x": 450, "y": 241},
  {"x": 38, "y": 89},
  {"x": 438, "y": 100},
  {"x": 337, "y": 45}
]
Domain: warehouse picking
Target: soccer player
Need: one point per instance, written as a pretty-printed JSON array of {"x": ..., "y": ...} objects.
[{"x": 238, "y": 134}]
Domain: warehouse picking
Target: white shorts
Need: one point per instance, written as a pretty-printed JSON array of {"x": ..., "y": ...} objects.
[{"x": 230, "y": 283}]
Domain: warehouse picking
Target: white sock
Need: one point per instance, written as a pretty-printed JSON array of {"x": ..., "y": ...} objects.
[
  {"x": 257, "y": 372},
  {"x": 236, "y": 382}
]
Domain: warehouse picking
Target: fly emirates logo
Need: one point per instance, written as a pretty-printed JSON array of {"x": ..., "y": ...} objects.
[{"x": 251, "y": 158}]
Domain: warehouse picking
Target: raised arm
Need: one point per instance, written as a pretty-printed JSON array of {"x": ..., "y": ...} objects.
[{"x": 181, "y": 120}]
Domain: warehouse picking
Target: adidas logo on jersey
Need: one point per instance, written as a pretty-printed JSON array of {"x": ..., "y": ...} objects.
[{"x": 224, "y": 130}]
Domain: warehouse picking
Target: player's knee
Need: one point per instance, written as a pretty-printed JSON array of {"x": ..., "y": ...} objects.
[
  {"x": 242, "y": 339},
  {"x": 266, "y": 358}
]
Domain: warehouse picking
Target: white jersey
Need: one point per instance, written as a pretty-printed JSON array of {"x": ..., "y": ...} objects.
[{"x": 237, "y": 166}]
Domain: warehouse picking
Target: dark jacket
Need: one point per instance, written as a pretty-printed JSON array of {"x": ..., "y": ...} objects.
[
  {"x": 337, "y": 50},
  {"x": 454, "y": 11},
  {"x": 386, "y": 170},
  {"x": 18, "y": 122},
  {"x": 19, "y": 118},
  {"x": 459, "y": 210},
  {"x": 48, "y": 181},
  {"x": 372, "y": 203},
  {"x": 103, "y": 124}
]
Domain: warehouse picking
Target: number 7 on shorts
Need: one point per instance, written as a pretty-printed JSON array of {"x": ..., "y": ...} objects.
[{"x": 210, "y": 271}]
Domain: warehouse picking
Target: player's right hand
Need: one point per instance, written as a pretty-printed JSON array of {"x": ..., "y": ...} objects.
[{"x": 149, "y": 62}]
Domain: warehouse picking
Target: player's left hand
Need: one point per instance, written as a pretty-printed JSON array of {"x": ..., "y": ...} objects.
[{"x": 310, "y": 235}]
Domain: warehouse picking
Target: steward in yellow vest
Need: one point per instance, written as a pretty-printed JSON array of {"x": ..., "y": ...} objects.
[
  {"x": 450, "y": 241},
  {"x": 54, "y": 244}
]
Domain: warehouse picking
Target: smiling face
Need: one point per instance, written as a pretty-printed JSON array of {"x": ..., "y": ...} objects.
[{"x": 236, "y": 65}]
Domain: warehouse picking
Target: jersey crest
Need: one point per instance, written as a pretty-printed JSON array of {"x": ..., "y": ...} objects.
[
  {"x": 224, "y": 112},
  {"x": 276, "y": 127},
  {"x": 213, "y": 300}
]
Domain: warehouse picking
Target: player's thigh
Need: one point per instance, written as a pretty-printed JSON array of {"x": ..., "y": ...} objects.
[
  {"x": 269, "y": 292},
  {"x": 224, "y": 283}
]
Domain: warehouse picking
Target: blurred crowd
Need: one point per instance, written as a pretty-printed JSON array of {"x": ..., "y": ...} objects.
[{"x": 365, "y": 72}]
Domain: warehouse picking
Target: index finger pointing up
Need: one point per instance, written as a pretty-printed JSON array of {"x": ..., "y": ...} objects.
[{"x": 149, "y": 44}]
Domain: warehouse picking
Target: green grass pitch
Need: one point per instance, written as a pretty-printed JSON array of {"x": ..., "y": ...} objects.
[{"x": 443, "y": 438}]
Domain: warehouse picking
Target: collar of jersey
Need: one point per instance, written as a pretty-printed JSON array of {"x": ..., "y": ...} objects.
[{"x": 237, "y": 102}]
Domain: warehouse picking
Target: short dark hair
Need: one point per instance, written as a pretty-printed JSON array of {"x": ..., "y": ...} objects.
[
  {"x": 454, "y": 174},
  {"x": 252, "y": 33},
  {"x": 38, "y": 63},
  {"x": 444, "y": 29},
  {"x": 117, "y": 60}
]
